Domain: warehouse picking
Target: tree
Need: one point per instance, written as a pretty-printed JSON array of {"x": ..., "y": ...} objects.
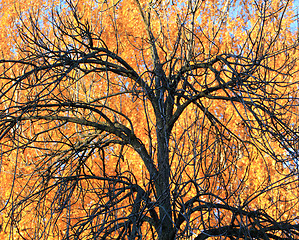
[{"x": 150, "y": 120}]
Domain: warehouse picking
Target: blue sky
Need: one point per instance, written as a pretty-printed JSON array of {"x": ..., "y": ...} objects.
[{"x": 296, "y": 10}]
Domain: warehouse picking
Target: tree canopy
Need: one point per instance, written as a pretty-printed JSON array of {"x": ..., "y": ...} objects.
[{"x": 137, "y": 119}]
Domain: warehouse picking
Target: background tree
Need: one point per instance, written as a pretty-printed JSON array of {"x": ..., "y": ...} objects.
[{"x": 149, "y": 120}]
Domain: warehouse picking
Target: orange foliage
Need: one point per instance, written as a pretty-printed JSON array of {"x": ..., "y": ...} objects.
[{"x": 221, "y": 150}]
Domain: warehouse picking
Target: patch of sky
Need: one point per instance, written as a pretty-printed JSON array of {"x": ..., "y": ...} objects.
[{"x": 295, "y": 23}]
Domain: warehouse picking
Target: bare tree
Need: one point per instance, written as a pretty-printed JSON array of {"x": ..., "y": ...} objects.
[{"x": 62, "y": 102}]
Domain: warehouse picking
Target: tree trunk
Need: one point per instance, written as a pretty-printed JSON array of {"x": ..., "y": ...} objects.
[{"x": 162, "y": 184}]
